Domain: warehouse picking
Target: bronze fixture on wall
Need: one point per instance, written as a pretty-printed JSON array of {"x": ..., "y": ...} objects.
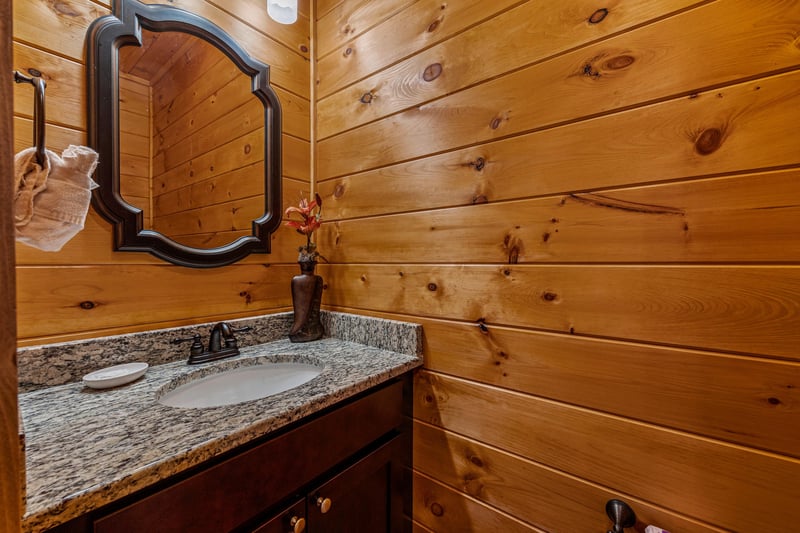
[
  {"x": 106, "y": 36},
  {"x": 38, "y": 111},
  {"x": 621, "y": 514}
]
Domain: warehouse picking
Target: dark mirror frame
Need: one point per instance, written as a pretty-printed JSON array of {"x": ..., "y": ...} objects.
[{"x": 124, "y": 27}]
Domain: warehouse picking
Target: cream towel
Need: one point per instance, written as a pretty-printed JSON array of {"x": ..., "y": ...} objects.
[
  {"x": 51, "y": 202},
  {"x": 30, "y": 181}
]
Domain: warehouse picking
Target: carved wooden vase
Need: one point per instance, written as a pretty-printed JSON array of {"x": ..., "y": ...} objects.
[{"x": 306, "y": 300}]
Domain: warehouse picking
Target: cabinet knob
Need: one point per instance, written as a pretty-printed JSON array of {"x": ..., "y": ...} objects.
[
  {"x": 298, "y": 524},
  {"x": 324, "y": 504}
]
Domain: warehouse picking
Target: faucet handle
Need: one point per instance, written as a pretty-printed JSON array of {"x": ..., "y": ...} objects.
[
  {"x": 197, "y": 345},
  {"x": 230, "y": 340}
]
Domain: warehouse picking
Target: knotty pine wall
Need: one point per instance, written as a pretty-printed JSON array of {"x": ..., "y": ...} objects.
[
  {"x": 86, "y": 289},
  {"x": 592, "y": 208}
]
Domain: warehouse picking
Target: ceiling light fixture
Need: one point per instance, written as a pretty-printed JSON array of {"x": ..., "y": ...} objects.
[{"x": 282, "y": 11}]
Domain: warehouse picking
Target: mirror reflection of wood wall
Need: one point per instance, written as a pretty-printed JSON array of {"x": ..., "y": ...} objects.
[{"x": 191, "y": 140}]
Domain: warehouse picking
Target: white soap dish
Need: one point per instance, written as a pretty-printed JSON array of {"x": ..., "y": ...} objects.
[{"x": 114, "y": 376}]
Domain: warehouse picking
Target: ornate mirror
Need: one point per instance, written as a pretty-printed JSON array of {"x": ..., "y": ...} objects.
[{"x": 188, "y": 131}]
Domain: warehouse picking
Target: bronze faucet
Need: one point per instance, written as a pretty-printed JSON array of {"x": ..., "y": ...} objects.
[{"x": 221, "y": 344}]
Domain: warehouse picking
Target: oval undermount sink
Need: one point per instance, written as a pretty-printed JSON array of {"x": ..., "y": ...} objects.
[{"x": 241, "y": 384}]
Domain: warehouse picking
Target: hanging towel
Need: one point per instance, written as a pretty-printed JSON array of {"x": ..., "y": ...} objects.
[
  {"x": 31, "y": 178},
  {"x": 52, "y": 200}
]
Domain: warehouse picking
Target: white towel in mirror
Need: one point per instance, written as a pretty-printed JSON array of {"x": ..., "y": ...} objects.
[{"x": 52, "y": 200}]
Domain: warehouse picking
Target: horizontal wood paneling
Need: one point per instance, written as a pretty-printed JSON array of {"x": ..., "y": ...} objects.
[
  {"x": 693, "y": 474},
  {"x": 421, "y": 24},
  {"x": 589, "y": 209},
  {"x": 349, "y": 19},
  {"x": 50, "y": 37},
  {"x": 748, "y": 310},
  {"x": 65, "y": 86},
  {"x": 442, "y": 509},
  {"x": 65, "y": 21},
  {"x": 523, "y": 488},
  {"x": 115, "y": 296},
  {"x": 444, "y": 68},
  {"x": 503, "y": 106},
  {"x": 676, "y": 222},
  {"x": 739, "y": 399}
]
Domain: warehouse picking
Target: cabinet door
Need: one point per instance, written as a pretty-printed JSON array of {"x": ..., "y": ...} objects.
[
  {"x": 291, "y": 520},
  {"x": 364, "y": 498}
]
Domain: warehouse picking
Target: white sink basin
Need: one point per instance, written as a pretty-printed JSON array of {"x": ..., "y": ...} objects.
[{"x": 241, "y": 384}]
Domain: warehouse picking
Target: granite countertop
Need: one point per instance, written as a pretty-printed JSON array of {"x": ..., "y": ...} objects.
[{"x": 85, "y": 447}]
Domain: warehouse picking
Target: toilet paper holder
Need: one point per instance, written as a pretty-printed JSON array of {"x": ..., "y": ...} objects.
[{"x": 621, "y": 514}]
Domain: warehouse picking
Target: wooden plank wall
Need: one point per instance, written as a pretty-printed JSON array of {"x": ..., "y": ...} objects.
[
  {"x": 592, "y": 209},
  {"x": 86, "y": 289}
]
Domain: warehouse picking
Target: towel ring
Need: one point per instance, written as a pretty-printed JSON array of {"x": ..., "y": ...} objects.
[{"x": 38, "y": 112}]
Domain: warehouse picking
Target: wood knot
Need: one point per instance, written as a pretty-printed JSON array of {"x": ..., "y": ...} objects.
[
  {"x": 432, "y": 71},
  {"x": 480, "y": 199},
  {"x": 34, "y": 72},
  {"x": 474, "y": 459},
  {"x": 87, "y": 305},
  {"x": 432, "y": 287},
  {"x": 598, "y": 16},
  {"x": 437, "y": 509},
  {"x": 708, "y": 141},
  {"x": 549, "y": 296},
  {"x": 247, "y": 148},
  {"x": 65, "y": 9},
  {"x": 338, "y": 191},
  {"x": 347, "y": 51},
  {"x": 367, "y": 97},
  {"x": 434, "y": 25},
  {"x": 774, "y": 401},
  {"x": 589, "y": 71},
  {"x": 304, "y": 48},
  {"x": 619, "y": 62},
  {"x": 478, "y": 164},
  {"x": 496, "y": 121}
]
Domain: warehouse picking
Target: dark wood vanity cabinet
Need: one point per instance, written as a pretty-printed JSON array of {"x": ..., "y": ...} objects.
[
  {"x": 344, "y": 470},
  {"x": 365, "y": 497}
]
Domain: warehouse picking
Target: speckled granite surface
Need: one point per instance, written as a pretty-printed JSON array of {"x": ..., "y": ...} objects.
[{"x": 86, "y": 447}]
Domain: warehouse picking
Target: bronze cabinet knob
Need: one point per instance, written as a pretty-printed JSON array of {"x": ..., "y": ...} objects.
[
  {"x": 298, "y": 524},
  {"x": 324, "y": 504}
]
